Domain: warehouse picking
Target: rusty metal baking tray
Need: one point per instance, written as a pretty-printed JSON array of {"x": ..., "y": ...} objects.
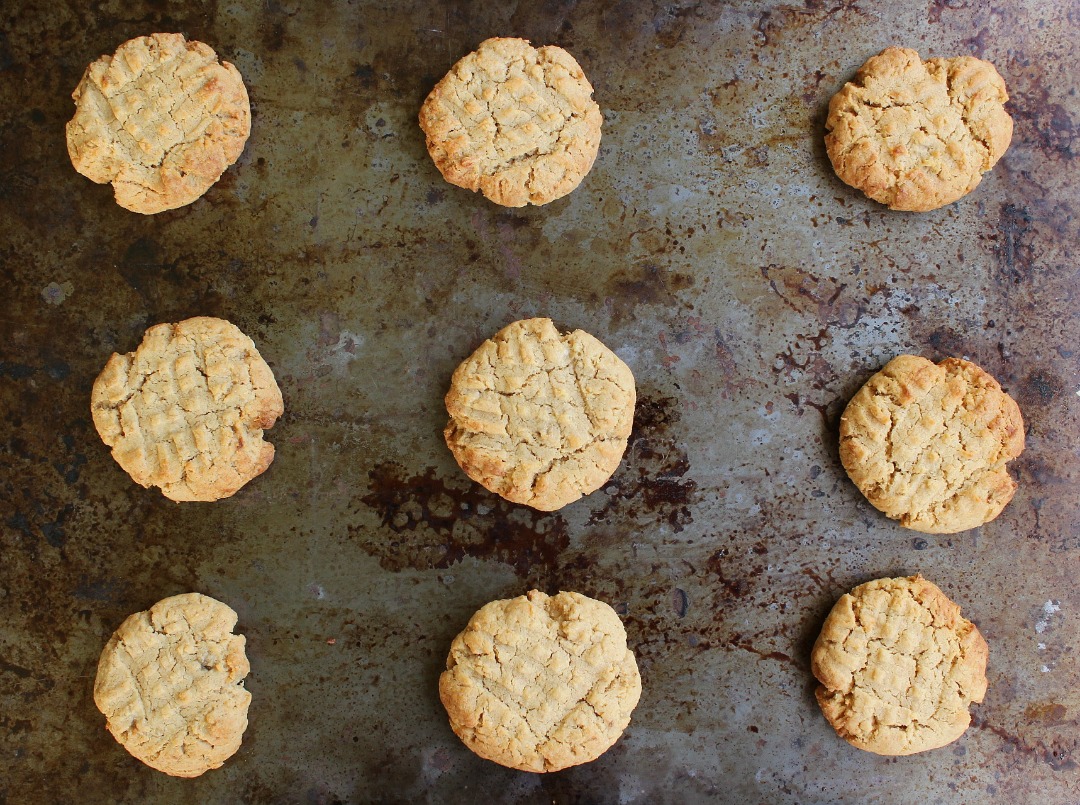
[{"x": 711, "y": 247}]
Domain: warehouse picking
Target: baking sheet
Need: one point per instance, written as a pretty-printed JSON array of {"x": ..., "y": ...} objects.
[{"x": 711, "y": 247}]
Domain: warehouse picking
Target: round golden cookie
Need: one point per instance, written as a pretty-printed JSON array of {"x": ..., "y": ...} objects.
[
  {"x": 538, "y": 417},
  {"x": 186, "y": 410},
  {"x": 898, "y": 667},
  {"x": 540, "y": 683},
  {"x": 918, "y": 135},
  {"x": 927, "y": 443},
  {"x": 161, "y": 119},
  {"x": 170, "y": 683},
  {"x": 515, "y": 122}
]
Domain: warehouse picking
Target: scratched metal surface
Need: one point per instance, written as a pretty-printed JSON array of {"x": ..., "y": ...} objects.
[{"x": 711, "y": 247}]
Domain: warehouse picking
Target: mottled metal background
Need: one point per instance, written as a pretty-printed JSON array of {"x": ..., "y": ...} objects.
[{"x": 712, "y": 247}]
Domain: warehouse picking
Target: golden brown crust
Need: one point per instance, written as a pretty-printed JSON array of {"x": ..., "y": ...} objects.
[
  {"x": 161, "y": 119},
  {"x": 918, "y": 135},
  {"x": 186, "y": 410},
  {"x": 898, "y": 667},
  {"x": 541, "y": 683},
  {"x": 514, "y": 122},
  {"x": 170, "y": 684},
  {"x": 927, "y": 444},
  {"x": 538, "y": 417}
]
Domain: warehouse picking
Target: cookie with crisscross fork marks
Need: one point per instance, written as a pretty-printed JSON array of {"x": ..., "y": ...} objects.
[
  {"x": 918, "y": 135},
  {"x": 186, "y": 411},
  {"x": 170, "y": 683},
  {"x": 538, "y": 417},
  {"x": 928, "y": 443},
  {"x": 898, "y": 667},
  {"x": 515, "y": 122},
  {"x": 540, "y": 683},
  {"x": 161, "y": 119}
]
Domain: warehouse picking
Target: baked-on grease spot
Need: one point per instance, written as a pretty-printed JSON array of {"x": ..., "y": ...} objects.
[
  {"x": 680, "y": 602},
  {"x": 1041, "y": 388},
  {"x": 1016, "y": 252},
  {"x": 143, "y": 266},
  {"x": 436, "y": 525},
  {"x": 1044, "y": 124},
  {"x": 651, "y": 484},
  {"x": 642, "y": 284},
  {"x": 805, "y": 292},
  {"x": 1057, "y": 755}
]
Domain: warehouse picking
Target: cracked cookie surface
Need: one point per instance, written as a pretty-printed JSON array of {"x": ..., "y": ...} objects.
[
  {"x": 918, "y": 135},
  {"x": 898, "y": 667},
  {"x": 170, "y": 684},
  {"x": 541, "y": 683},
  {"x": 160, "y": 120},
  {"x": 186, "y": 410},
  {"x": 538, "y": 417},
  {"x": 927, "y": 443},
  {"x": 515, "y": 122}
]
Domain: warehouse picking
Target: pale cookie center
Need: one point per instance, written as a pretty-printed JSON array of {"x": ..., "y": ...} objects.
[
  {"x": 557, "y": 670},
  {"x": 514, "y": 116},
  {"x": 160, "y": 108}
]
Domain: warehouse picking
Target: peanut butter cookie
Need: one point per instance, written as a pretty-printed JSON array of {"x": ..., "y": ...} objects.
[
  {"x": 927, "y": 443},
  {"x": 161, "y": 119},
  {"x": 538, "y": 417},
  {"x": 515, "y": 122},
  {"x": 918, "y": 135},
  {"x": 186, "y": 411},
  {"x": 170, "y": 683},
  {"x": 540, "y": 683},
  {"x": 898, "y": 667}
]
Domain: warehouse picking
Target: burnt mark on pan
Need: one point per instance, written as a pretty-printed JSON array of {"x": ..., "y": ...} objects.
[
  {"x": 671, "y": 24},
  {"x": 805, "y": 292},
  {"x": 435, "y": 525},
  {"x": 647, "y": 283},
  {"x": 938, "y": 6},
  {"x": 651, "y": 484},
  {"x": 1016, "y": 252},
  {"x": 142, "y": 266},
  {"x": 1039, "y": 121},
  {"x": 1057, "y": 754}
]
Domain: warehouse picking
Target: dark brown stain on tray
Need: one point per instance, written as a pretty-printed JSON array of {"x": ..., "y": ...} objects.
[
  {"x": 433, "y": 524},
  {"x": 651, "y": 483},
  {"x": 1057, "y": 754}
]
